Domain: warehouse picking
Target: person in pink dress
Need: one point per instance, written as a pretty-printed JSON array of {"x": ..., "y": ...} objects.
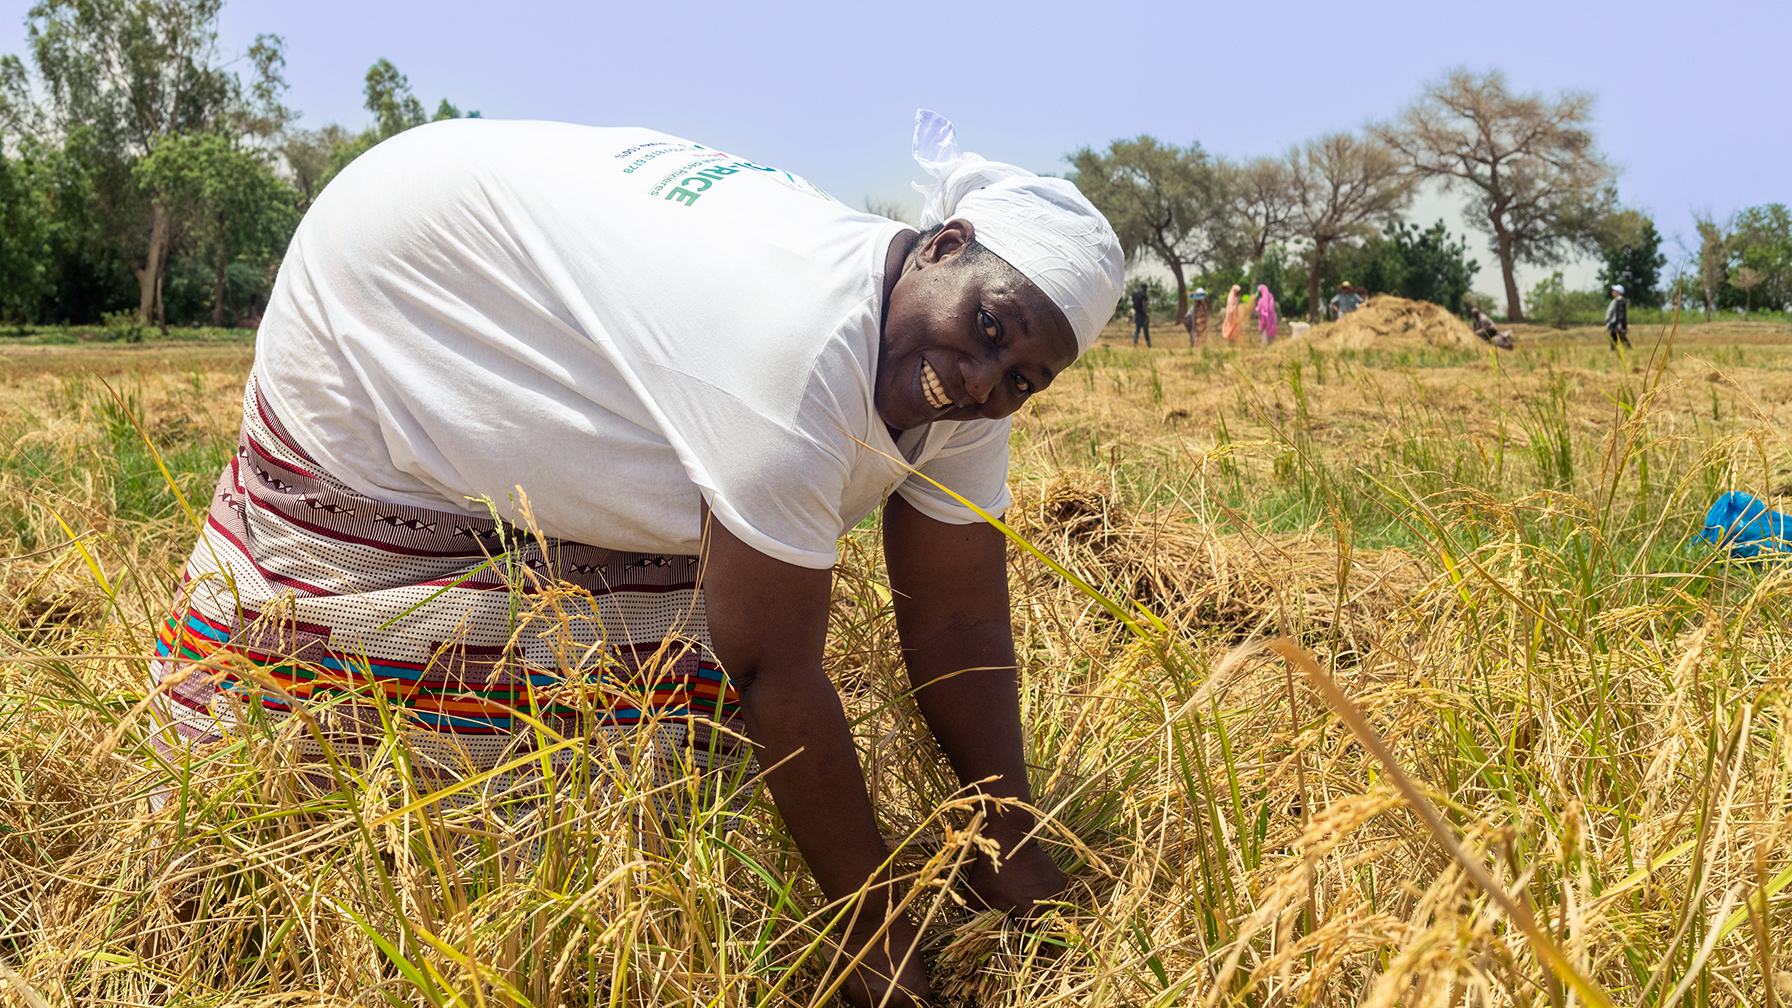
[{"x": 1266, "y": 314}]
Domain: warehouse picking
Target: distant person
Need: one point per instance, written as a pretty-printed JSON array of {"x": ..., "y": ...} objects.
[
  {"x": 1346, "y": 300},
  {"x": 1480, "y": 323},
  {"x": 1267, "y": 320},
  {"x": 1196, "y": 319},
  {"x": 1484, "y": 328},
  {"x": 1231, "y": 322},
  {"x": 1617, "y": 318},
  {"x": 1141, "y": 315}
]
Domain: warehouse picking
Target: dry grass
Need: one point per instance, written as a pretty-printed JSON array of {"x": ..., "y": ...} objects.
[{"x": 1491, "y": 555}]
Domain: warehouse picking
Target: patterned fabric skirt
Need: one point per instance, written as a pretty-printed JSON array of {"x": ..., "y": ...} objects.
[{"x": 479, "y": 642}]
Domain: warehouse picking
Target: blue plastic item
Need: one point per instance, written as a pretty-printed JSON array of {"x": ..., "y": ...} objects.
[{"x": 1743, "y": 525}]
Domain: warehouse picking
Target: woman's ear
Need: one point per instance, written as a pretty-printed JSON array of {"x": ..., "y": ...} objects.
[{"x": 952, "y": 239}]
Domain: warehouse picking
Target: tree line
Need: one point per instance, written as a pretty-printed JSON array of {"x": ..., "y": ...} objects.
[
  {"x": 1330, "y": 209},
  {"x": 1745, "y": 262},
  {"x": 143, "y": 174}
]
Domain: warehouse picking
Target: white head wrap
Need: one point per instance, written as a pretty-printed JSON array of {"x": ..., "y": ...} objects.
[{"x": 1043, "y": 227}]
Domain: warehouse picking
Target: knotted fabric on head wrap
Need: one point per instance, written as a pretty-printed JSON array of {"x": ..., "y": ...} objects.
[{"x": 1043, "y": 227}]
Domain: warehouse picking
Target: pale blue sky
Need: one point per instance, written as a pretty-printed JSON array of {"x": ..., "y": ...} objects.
[{"x": 1692, "y": 99}]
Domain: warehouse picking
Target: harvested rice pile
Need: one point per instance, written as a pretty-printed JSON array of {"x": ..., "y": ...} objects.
[
  {"x": 1385, "y": 319},
  {"x": 1225, "y": 582}
]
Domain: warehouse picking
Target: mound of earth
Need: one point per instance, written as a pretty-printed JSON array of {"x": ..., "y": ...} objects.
[{"x": 1385, "y": 319}]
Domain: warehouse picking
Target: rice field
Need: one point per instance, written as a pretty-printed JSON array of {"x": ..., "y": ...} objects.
[{"x": 1383, "y": 676}]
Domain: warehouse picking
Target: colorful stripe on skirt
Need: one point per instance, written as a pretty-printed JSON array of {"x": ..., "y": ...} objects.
[{"x": 304, "y": 594}]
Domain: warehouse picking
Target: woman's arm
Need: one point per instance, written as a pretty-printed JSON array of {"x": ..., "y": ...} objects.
[
  {"x": 768, "y": 622},
  {"x": 951, "y": 589}
]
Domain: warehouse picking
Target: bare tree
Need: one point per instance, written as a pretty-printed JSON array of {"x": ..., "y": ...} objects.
[
  {"x": 890, "y": 208},
  {"x": 1343, "y": 185},
  {"x": 1746, "y": 279},
  {"x": 1264, "y": 199},
  {"x": 1172, "y": 201},
  {"x": 1536, "y": 181}
]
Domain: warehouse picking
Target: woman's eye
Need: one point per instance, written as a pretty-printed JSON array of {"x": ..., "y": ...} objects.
[{"x": 988, "y": 322}]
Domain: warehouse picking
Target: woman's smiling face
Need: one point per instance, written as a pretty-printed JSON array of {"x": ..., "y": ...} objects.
[{"x": 965, "y": 335}]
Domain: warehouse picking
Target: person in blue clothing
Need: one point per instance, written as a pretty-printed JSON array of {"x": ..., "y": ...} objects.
[
  {"x": 1346, "y": 300},
  {"x": 1141, "y": 315}
]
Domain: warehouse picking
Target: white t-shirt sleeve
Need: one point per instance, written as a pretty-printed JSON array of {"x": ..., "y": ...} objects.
[
  {"x": 974, "y": 464},
  {"x": 776, "y": 485}
]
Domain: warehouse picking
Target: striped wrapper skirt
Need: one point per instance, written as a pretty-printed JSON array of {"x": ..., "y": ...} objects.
[{"x": 480, "y": 642}]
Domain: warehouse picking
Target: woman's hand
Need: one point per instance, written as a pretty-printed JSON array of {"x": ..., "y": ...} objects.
[
  {"x": 1026, "y": 877},
  {"x": 768, "y": 622},
  {"x": 951, "y": 590}
]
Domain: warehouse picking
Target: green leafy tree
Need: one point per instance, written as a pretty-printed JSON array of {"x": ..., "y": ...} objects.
[
  {"x": 1538, "y": 186},
  {"x": 24, "y": 252},
  {"x": 225, "y": 196},
  {"x": 395, "y": 109},
  {"x": 19, "y": 114},
  {"x": 1631, "y": 249},
  {"x": 1763, "y": 246},
  {"x": 1552, "y": 303},
  {"x": 76, "y": 268},
  {"x": 310, "y": 157},
  {"x": 1171, "y": 202},
  {"x": 313, "y": 158},
  {"x": 1424, "y": 265},
  {"x": 1285, "y": 276},
  {"x": 133, "y": 73}
]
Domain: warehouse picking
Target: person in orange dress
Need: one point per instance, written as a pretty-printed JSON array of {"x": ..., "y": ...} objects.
[{"x": 1233, "y": 321}]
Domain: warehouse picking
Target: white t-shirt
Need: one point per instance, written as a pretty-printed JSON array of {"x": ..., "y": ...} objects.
[{"x": 615, "y": 320}]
